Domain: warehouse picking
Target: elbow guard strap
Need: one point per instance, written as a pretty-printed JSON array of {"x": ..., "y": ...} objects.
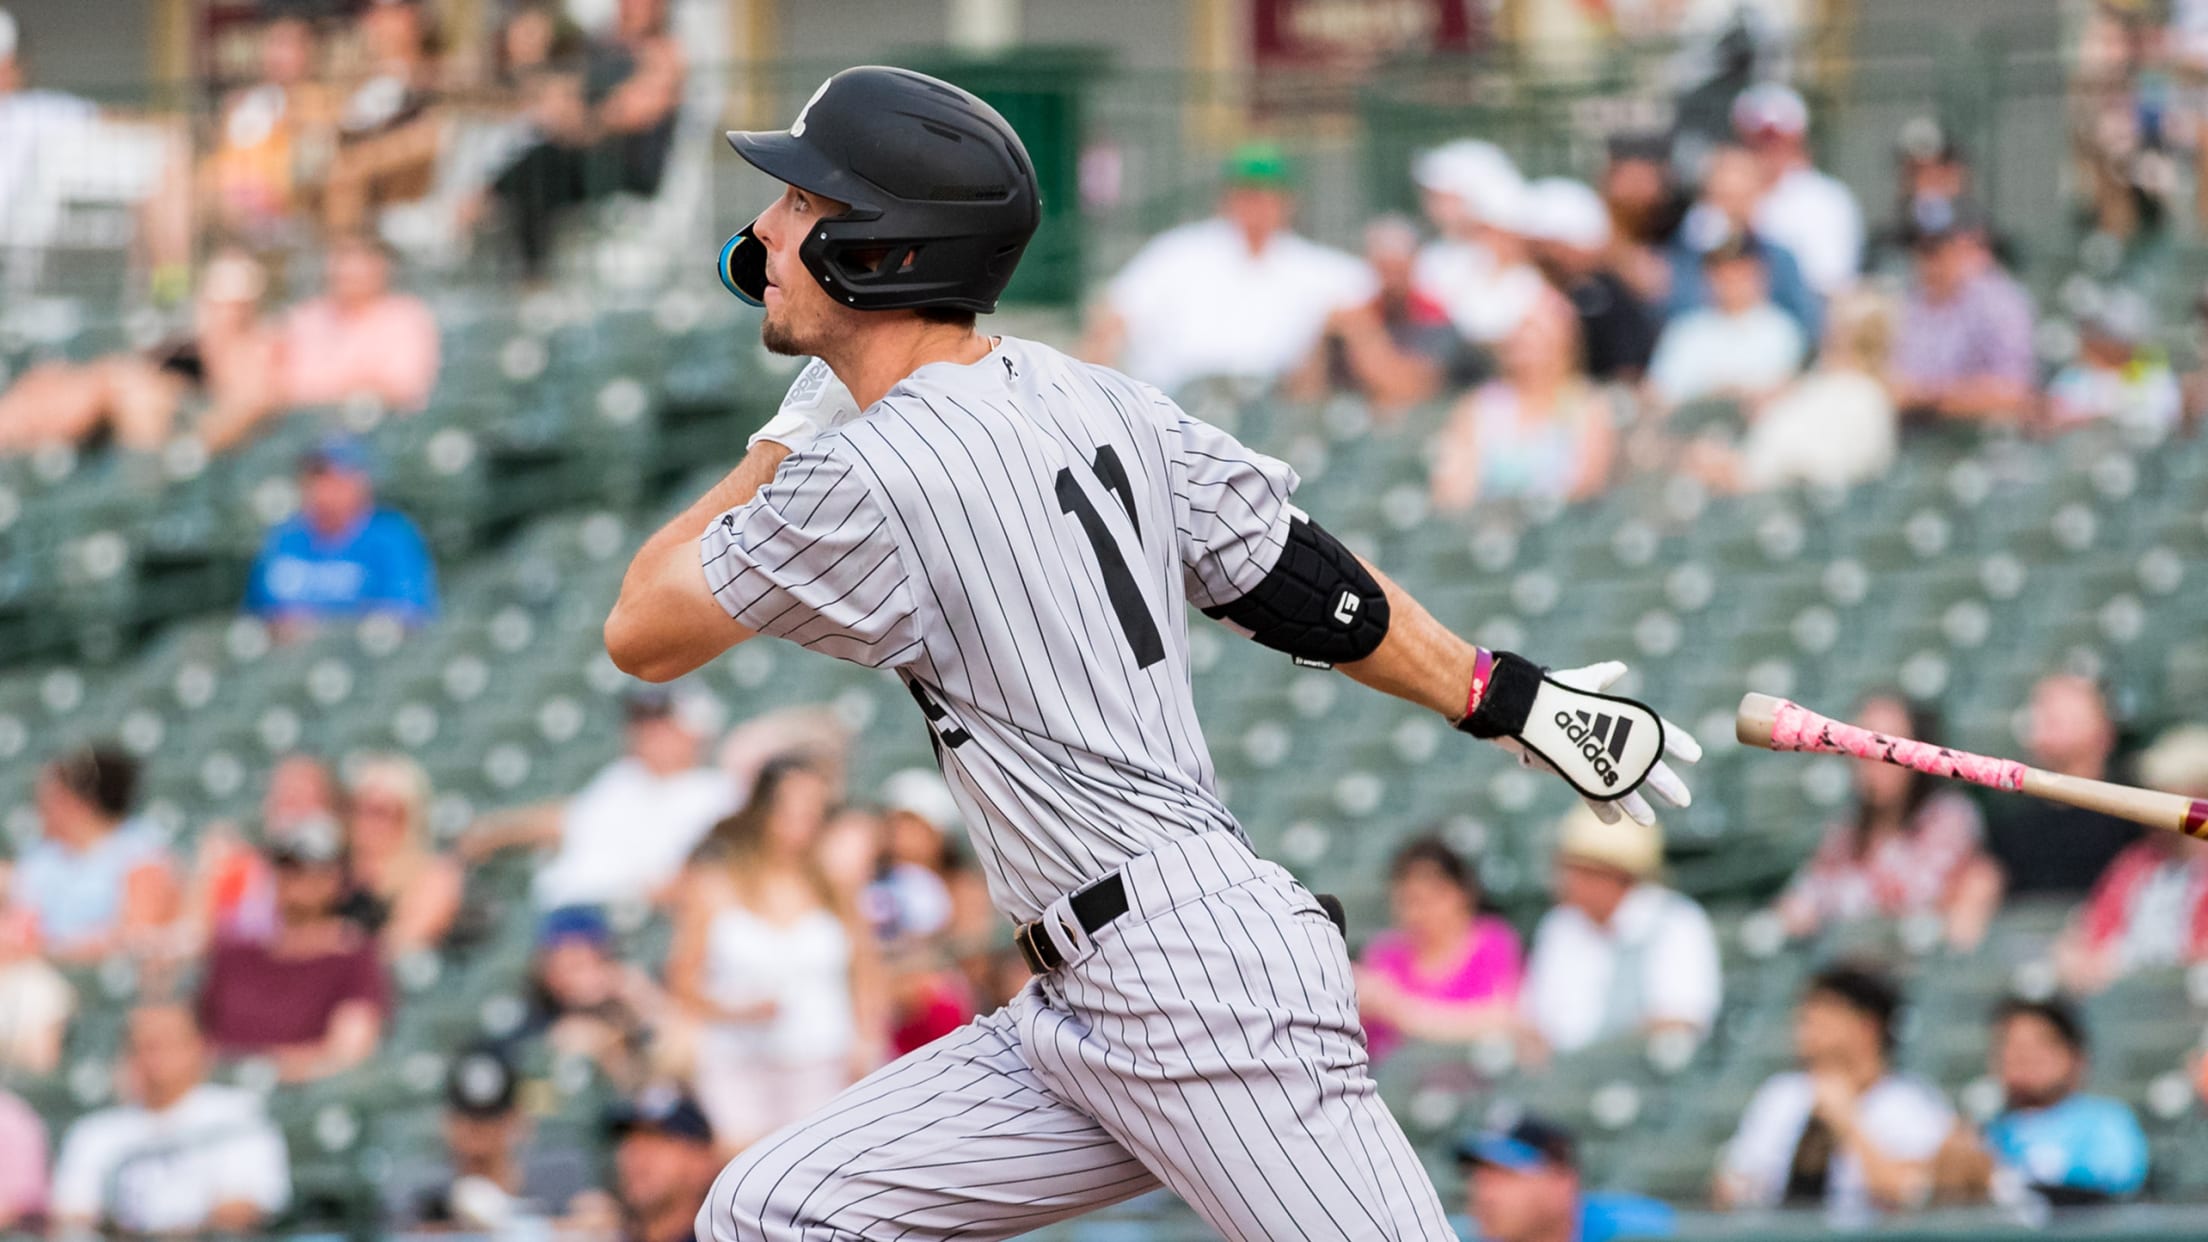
[{"x": 1319, "y": 604}]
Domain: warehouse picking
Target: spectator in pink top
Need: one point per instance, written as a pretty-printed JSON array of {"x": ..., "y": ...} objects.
[
  {"x": 358, "y": 339},
  {"x": 1445, "y": 973},
  {"x": 22, "y": 1163}
]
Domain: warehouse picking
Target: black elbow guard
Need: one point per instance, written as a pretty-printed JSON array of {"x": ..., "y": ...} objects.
[{"x": 1319, "y": 604}]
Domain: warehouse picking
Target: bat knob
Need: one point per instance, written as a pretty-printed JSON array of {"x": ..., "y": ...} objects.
[{"x": 1758, "y": 716}]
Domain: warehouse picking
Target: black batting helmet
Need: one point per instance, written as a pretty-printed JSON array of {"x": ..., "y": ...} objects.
[{"x": 942, "y": 194}]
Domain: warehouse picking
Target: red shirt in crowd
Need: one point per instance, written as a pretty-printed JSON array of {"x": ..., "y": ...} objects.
[{"x": 254, "y": 1000}]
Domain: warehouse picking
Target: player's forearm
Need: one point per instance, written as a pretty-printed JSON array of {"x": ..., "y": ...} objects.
[
  {"x": 1419, "y": 661},
  {"x": 666, "y": 622}
]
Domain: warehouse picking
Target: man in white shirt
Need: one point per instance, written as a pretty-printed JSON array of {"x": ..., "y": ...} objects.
[
  {"x": 188, "y": 1156},
  {"x": 1620, "y": 956},
  {"x": 1479, "y": 270},
  {"x": 1843, "y": 1131},
  {"x": 624, "y": 836},
  {"x": 1808, "y": 212},
  {"x": 1740, "y": 346},
  {"x": 1237, "y": 296},
  {"x": 37, "y": 129}
]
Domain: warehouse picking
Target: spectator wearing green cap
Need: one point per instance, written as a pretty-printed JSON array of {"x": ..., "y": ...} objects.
[{"x": 1237, "y": 296}]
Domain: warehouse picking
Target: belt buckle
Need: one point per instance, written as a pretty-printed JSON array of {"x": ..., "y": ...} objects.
[{"x": 1024, "y": 936}]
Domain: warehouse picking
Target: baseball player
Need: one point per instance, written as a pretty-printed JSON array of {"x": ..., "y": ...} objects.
[{"x": 1019, "y": 536}]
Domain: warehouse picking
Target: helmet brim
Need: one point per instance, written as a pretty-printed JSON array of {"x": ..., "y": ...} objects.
[{"x": 794, "y": 161}]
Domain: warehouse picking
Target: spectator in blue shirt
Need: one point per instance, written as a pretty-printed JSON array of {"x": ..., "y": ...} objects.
[
  {"x": 341, "y": 555},
  {"x": 1522, "y": 1185},
  {"x": 2071, "y": 1148}
]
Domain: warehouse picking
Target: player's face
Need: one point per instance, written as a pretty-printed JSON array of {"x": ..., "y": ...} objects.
[
  {"x": 801, "y": 317},
  {"x": 2035, "y": 1068}
]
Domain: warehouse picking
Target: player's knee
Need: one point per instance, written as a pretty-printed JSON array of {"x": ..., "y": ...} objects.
[{"x": 763, "y": 1197}]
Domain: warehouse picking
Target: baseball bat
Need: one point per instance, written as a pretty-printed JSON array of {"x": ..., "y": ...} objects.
[{"x": 1781, "y": 724}]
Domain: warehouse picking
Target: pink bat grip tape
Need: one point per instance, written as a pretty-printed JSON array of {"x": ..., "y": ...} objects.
[{"x": 1795, "y": 727}]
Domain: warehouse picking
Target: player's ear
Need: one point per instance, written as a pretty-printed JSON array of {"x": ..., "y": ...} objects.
[{"x": 743, "y": 266}]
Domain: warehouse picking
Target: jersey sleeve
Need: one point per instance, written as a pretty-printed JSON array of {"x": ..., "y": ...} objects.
[
  {"x": 812, "y": 559},
  {"x": 1235, "y": 513}
]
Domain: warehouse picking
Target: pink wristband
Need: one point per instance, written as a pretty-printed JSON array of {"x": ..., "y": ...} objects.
[{"x": 1483, "y": 668}]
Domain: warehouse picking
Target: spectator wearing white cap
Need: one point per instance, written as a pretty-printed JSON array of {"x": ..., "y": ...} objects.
[
  {"x": 1569, "y": 228},
  {"x": 1479, "y": 270},
  {"x": 1807, "y": 211},
  {"x": 1620, "y": 955},
  {"x": 1398, "y": 349},
  {"x": 2118, "y": 376},
  {"x": 1240, "y": 296},
  {"x": 918, "y": 816}
]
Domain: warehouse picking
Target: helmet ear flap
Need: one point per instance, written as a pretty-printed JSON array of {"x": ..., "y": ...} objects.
[{"x": 743, "y": 266}]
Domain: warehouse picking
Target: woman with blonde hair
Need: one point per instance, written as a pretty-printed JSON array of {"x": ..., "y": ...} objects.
[
  {"x": 404, "y": 890},
  {"x": 1540, "y": 430},
  {"x": 773, "y": 960}
]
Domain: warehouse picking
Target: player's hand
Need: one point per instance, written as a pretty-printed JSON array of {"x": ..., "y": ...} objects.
[{"x": 1661, "y": 781}]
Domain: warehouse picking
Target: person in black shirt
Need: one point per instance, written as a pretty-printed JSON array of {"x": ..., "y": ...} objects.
[
  {"x": 490, "y": 1175},
  {"x": 1571, "y": 243},
  {"x": 2045, "y": 848}
]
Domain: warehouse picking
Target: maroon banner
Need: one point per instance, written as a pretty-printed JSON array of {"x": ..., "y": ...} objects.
[{"x": 1314, "y": 33}]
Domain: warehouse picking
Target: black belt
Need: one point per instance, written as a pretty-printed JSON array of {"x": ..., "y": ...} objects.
[
  {"x": 1100, "y": 903},
  {"x": 1093, "y": 907}
]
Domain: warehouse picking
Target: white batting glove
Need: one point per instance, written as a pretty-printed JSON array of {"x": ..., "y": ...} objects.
[
  {"x": 1596, "y": 742},
  {"x": 817, "y": 402}
]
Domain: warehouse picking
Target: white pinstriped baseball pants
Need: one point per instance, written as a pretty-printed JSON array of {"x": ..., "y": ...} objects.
[{"x": 1206, "y": 1040}]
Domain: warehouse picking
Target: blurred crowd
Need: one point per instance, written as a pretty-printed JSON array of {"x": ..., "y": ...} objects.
[
  {"x": 725, "y": 936},
  {"x": 1622, "y": 959},
  {"x": 350, "y": 138},
  {"x": 1720, "y": 309}
]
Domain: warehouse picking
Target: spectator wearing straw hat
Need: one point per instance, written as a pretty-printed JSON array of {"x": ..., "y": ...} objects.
[
  {"x": 1619, "y": 955},
  {"x": 1239, "y": 296}
]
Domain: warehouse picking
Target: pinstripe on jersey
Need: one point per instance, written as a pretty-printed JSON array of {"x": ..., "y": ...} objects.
[
  {"x": 959, "y": 533},
  {"x": 1019, "y": 539}
]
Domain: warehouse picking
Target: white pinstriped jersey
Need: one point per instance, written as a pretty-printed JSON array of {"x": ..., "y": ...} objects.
[{"x": 1019, "y": 540}]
